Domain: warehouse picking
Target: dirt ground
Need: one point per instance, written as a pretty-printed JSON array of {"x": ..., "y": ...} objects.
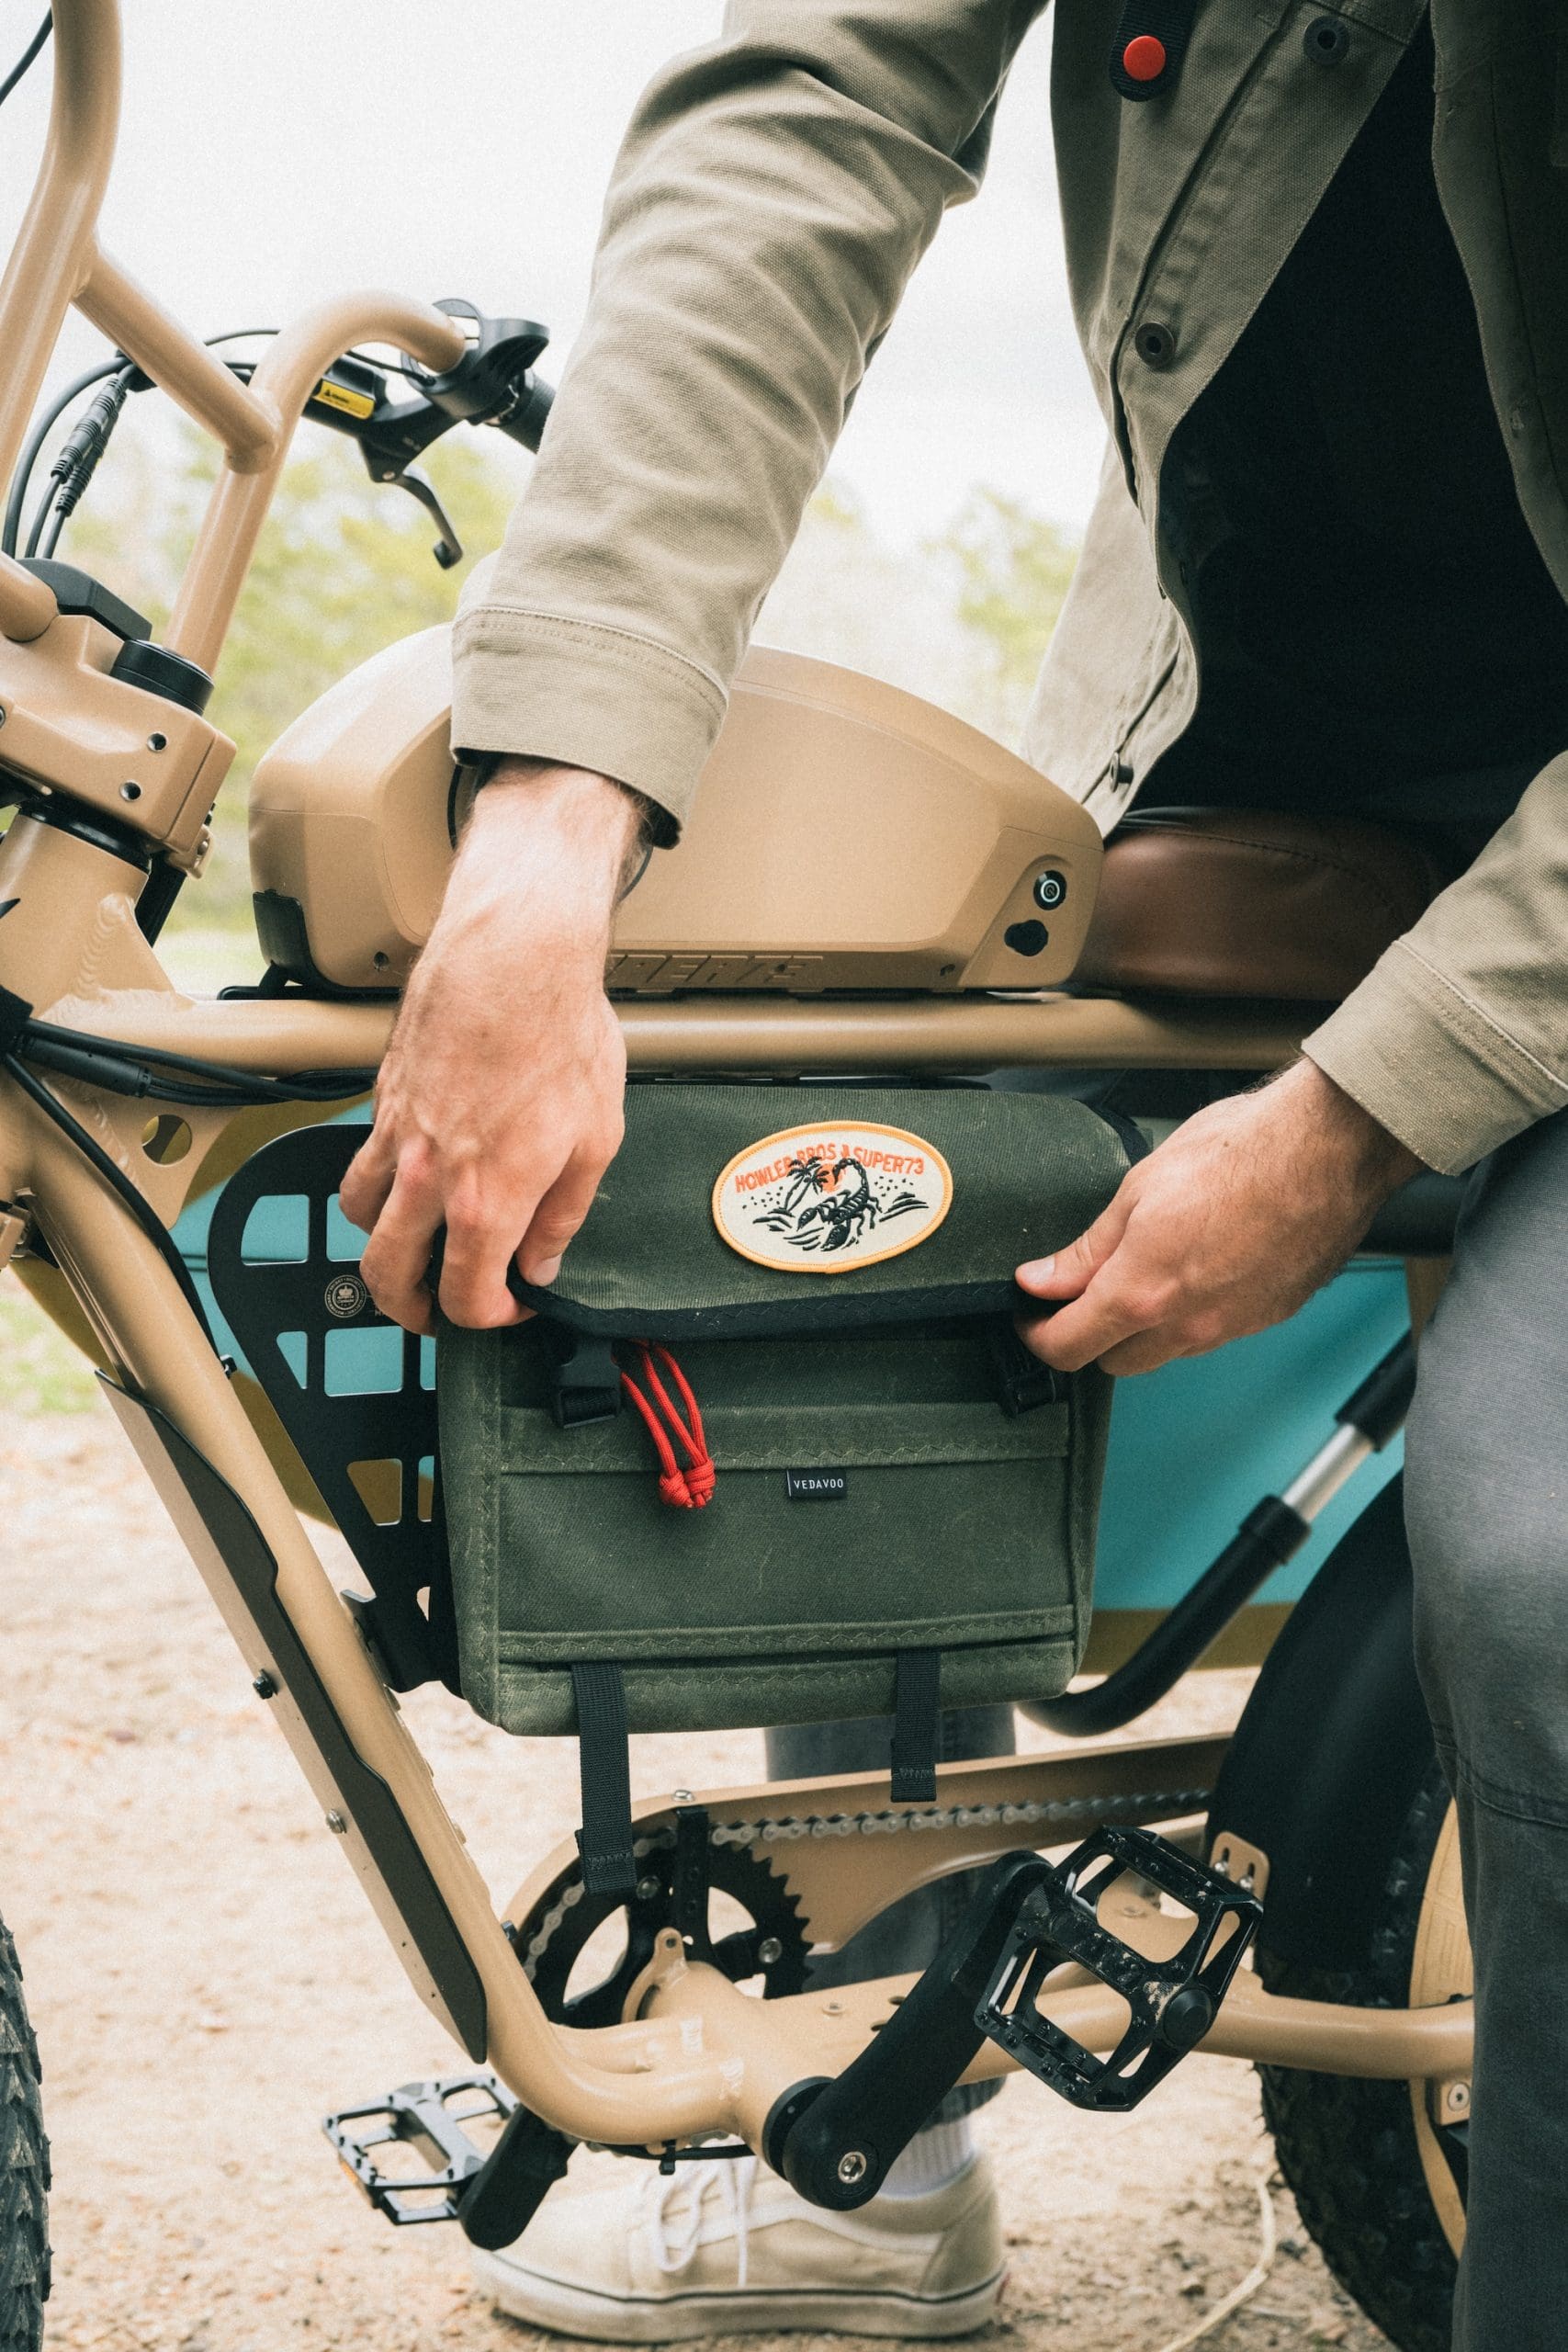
[{"x": 207, "y": 1982}]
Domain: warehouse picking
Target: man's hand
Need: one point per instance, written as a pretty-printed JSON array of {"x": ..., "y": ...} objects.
[
  {"x": 498, "y": 1108},
  {"x": 1228, "y": 1227}
]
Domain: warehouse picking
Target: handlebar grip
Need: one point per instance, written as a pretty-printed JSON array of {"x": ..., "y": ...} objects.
[{"x": 526, "y": 421}]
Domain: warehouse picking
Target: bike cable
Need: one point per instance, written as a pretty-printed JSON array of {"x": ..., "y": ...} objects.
[
  {"x": 119, "y": 1184},
  {"x": 26, "y": 58},
  {"x": 135, "y": 381},
  {"x": 35, "y": 442},
  {"x": 521, "y": 419},
  {"x": 77, "y": 462},
  {"x": 138, "y": 1070}
]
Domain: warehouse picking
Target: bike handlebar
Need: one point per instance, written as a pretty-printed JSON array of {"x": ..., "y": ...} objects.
[{"x": 493, "y": 383}]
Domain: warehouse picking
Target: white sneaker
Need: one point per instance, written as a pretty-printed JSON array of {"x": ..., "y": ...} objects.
[{"x": 721, "y": 2246}]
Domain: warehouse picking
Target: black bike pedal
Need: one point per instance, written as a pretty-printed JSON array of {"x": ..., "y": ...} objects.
[
  {"x": 493, "y": 2193},
  {"x": 1172, "y": 2003}
]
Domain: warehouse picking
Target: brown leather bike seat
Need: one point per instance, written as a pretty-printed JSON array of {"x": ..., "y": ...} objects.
[{"x": 1243, "y": 902}]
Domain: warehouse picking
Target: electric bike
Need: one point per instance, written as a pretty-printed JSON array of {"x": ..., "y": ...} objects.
[{"x": 169, "y": 1170}]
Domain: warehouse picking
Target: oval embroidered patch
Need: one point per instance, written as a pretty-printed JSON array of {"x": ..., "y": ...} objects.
[{"x": 826, "y": 1200}]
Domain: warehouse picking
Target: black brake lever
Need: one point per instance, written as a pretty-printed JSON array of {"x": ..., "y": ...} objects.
[
  {"x": 448, "y": 548},
  {"x": 493, "y": 383}
]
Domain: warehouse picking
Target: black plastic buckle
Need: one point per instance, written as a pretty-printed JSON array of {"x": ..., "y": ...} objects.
[
  {"x": 1023, "y": 1380},
  {"x": 1173, "y": 2002},
  {"x": 583, "y": 1377}
]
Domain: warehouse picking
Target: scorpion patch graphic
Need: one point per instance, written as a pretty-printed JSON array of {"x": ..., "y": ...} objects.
[{"x": 821, "y": 1200}]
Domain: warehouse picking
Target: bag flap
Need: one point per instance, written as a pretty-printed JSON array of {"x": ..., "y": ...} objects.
[{"x": 740, "y": 1210}]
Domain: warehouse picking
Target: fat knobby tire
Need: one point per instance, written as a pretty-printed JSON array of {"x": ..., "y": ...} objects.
[
  {"x": 24, "y": 2168},
  {"x": 1347, "y": 2148}
]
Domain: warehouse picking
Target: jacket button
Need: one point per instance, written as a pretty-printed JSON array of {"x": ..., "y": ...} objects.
[
  {"x": 1121, "y": 771},
  {"x": 1156, "y": 345},
  {"x": 1325, "y": 40}
]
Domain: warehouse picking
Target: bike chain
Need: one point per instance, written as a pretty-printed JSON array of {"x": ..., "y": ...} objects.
[{"x": 533, "y": 1937}]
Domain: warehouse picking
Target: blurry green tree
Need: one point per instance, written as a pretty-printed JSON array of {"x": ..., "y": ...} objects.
[
  {"x": 344, "y": 567},
  {"x": 1012, "y": 570}
]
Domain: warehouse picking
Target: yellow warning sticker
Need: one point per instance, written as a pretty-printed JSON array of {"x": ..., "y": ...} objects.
[{"x": 348, "y": 398}]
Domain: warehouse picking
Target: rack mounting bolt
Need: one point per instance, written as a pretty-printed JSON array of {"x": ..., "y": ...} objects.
[
  {"x": 337, "y": 1824},
  {"x": 264, "y": 1685}
]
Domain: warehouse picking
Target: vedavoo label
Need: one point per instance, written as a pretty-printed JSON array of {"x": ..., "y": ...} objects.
[{"x": 824, "y": 1200}]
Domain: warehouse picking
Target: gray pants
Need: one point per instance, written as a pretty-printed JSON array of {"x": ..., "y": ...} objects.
[
  {"x": 910, "y": 1933},
  {"x": 1487, "y": 1508}
]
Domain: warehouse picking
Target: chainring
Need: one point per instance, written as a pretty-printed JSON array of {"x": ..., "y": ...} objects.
[{"x": 556, "y": 1933}]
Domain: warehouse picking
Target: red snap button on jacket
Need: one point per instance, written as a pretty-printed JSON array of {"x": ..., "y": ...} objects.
[{"x": 1143, "y": 59}]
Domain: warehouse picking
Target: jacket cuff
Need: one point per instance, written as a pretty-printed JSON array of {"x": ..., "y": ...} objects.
[
  {"x": 539, "y": 685},
  {"x": 1430, "y": 1066}
]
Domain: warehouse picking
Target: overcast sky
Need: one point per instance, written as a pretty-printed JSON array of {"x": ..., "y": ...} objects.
[{"x": 272, "y": 154}]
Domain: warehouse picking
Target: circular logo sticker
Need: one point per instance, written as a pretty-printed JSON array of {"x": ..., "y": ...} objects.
[
  {"x": 825, "y": 1200},
  {"x": 346, "y": 1295}
]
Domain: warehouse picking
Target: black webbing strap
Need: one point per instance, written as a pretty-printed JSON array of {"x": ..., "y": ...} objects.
[
  {"x": 917, "y": 1725},
  {"x": 604, "y": 1839}
]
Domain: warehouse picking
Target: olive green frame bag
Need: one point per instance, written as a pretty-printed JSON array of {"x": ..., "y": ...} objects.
[{"x": 811, "y": 1287}]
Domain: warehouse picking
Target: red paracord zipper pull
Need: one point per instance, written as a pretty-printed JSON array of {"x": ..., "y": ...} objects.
[{"x": 687, "y": 1490}]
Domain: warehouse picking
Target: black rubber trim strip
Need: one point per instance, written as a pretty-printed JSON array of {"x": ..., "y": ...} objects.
[{"x": 367, "y": 1800}]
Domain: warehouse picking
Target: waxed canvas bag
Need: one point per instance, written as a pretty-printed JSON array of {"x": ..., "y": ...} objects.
[{"x": 903, "y": 1501}]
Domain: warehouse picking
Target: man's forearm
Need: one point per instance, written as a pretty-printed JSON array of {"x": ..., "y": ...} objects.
[
  {"x": 570, "y": 819},
  {"x": 499, "y": 1103},
  {"x": 1459, "y": 1038},
  {"x": 775, "y": 192}
]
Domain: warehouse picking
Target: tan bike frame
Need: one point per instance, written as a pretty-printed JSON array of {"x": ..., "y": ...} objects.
[{"x": 702, "y": 2057}]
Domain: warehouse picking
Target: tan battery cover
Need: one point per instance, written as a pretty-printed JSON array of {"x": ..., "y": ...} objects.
[{"x": 846, "y": 836}]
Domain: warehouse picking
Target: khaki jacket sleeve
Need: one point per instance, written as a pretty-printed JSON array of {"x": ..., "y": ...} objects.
[
  {"x": 772, "y": 195},
  {"x": 1459, "y": 1036}
]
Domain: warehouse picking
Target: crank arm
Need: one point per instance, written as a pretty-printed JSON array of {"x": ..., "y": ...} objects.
[{"x": 835, "y": 2140}]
